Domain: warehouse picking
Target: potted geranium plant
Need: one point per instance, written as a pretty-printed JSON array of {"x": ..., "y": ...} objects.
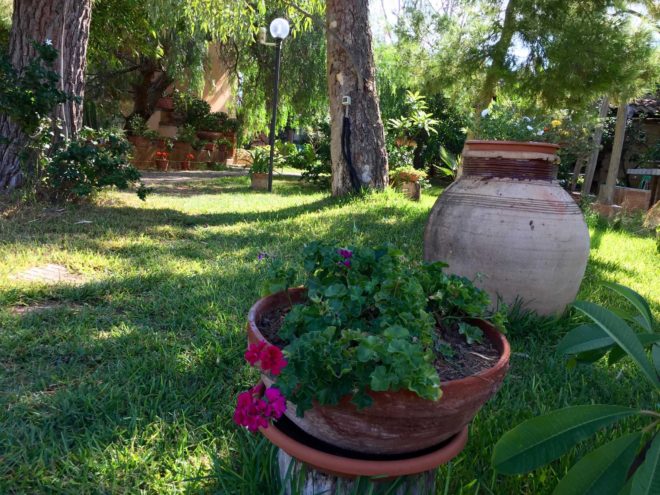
[
  {"x": 409, "y": 179},
  {"x": 185, "y": 164},
  {"x": 162, "y": 160},
  {"x": 259, "y": 169},
  {"x": 375, "y": 354}
]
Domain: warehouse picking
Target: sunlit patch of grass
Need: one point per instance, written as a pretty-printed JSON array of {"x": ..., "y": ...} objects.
[{"x": 126, "y": 384}]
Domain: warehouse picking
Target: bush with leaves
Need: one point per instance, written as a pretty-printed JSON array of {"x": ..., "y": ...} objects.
[
  {"x": 260, "y": 160},
  {"x": 629, "y": 464},
  {"x": 189, "y": 109},
  {"x": 94, "y": 161},
  {"x": 369, "y": 323}
]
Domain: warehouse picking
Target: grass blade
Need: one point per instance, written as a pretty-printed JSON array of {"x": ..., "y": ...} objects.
[
  {"x": 636, "y": 300},
  {"x": 602, "y": 471},
  {"x": 646, "y": 480},
  {"x": 622, "y": 335},
  {"x": 540, "y": 440}
]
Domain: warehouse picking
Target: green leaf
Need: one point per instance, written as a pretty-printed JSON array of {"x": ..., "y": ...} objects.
[
  {"x": 543, "y": 439},
  {"x": 396, "y": 332},
  {"x": 636, "y": 300},
  {"x": 335, "y": 290},
  {"x": 602, "y": 471},
  {"x": 622, "y": 335},
  {"x": 655, "y": 353},
  {"x": 646, "y": 480},
  {"x": 645, "y": 339},
  {"x": 584, "y": 338},
  {"x": 380, "y": 381}
]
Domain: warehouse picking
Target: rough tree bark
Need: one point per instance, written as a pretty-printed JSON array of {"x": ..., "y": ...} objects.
[
  {"x": 606, "y": 193},
  {"x": 351, "y": 73},
  {"x": 66, "y": 23},
  {"x": 597, "y": 138}
]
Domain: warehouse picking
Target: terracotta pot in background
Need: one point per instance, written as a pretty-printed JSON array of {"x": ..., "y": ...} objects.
[
  {"x": 162, "y": 165},
  {"x": 165, "y": 103},
  {"x": 412, "y": 190},
  {"x": 259, "y": 182},
  {"x": 185, "y": 165},
  {"x": 396, "y": 422},
  {"x": 507, "y": 224},
  {"x": 209, "y": 135}
]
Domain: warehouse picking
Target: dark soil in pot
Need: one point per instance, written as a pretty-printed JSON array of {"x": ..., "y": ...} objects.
[{"x": 467, "y": 360}]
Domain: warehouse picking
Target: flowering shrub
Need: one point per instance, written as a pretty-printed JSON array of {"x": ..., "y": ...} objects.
[
  {"x": 162, "y": 155},
  {"x": 406, "y": 174},
  {"x": 369, "y": 324},
  {"x": 190, "y": 156}
]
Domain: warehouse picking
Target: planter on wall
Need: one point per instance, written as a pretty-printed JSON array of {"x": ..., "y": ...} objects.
[
  {"x": 507, "y": 224},
  {"x": 396, "y": 422}
]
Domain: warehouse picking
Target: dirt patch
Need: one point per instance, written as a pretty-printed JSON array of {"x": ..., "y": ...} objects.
[
  {"x": 48, "y": 274},
  {"x": 467, "y": 359}
]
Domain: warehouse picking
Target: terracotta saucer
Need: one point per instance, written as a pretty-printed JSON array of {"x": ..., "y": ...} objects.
[{"x": 331, "y": 460}]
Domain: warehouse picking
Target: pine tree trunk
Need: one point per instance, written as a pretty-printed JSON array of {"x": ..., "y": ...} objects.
[
  {"x": 606, "y": 193},
  {"x": 597, "y": 138},
  {"x": 351, "y": 73},
  {"x": 66, "y": 23}
]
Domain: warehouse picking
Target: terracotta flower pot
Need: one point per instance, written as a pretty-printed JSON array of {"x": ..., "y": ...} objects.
[
  {"x": 508, "y": 219},
  {"x": 412, "y": 190},
  {"x": 209, "y": 135},
  {"x": 162, "y": 165},
  {"x": 259, "y": 182},
  {"x": 185, "y": 165},
  {"x": 165, "y": 103},
  {"x": 396, "y": 422}
]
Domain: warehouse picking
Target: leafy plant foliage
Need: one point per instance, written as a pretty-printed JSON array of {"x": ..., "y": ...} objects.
[
  {"x": 618, "y": 467},
  {"x": 369, "y": 323}
]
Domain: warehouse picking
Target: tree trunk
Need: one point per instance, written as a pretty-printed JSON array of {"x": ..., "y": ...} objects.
[
  {"x": 66, "y": 23},
  {"x": 606, "y": 193},
  {"x": 351, "y": 73},
  {"x": 597, "y": 138}
]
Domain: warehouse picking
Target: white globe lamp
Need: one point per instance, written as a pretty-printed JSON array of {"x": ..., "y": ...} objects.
[{"x": 279, "y": 28}]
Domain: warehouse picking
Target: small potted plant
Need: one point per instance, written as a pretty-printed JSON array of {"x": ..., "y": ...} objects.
[
  {"x": 409, "y": 180},
  {"x": 375, "y": 354},
  {"x": 259, "y": 169},
  {"x": 185, "y": 164},
  {"x": 162, "y": 160}
]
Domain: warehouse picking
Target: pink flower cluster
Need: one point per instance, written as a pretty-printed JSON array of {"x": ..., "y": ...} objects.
[
  {"x": 255, "y": 407},
  {"x": 347, "y": 254},
  {"x": 269, "y": 357}
]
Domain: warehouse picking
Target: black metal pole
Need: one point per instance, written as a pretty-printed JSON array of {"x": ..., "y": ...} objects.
[{"x": 276, "y": 92}]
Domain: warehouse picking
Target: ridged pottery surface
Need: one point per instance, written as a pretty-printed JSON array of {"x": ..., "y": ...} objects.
[
  {"x": 508, "y": 225},
  {"x": 396, "y": 422}
]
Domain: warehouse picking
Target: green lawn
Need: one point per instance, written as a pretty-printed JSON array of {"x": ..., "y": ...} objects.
[{"x": 125, "y": 383}]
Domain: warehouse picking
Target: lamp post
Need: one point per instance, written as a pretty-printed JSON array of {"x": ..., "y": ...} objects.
[{"x": 279, "y": 29}]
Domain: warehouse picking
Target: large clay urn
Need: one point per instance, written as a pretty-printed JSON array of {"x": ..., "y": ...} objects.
[{"x": 507, "y": 224}]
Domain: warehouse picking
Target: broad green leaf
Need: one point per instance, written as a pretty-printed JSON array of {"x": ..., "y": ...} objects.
[
  {"x": 645, "y": 339},
  {"x": 655, "y": 353},
  {"x": 584, "y": 338},
  {"x": 543, "y": 439},
  {"x": 636, "y": 300},
  {"x": 602, "y": 471},
  {"x": 622, "y": 335},
  {"x": 646, "y": 480},
  {"x": 380, "y": 381}
]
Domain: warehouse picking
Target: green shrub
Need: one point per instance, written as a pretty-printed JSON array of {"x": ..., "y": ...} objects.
[
  {"x": 214, "y": 122},
  {"x": 95, "y": 160},
  {"x": 189, "y": 109},
  {"x": 260, "y": 160}
]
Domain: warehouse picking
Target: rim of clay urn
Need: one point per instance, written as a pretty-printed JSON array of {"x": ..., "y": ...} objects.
[
  {"x": 500, "y": 341},
  {"x": 504, "y": 144},
  {"x": 349, "y": 467}
]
